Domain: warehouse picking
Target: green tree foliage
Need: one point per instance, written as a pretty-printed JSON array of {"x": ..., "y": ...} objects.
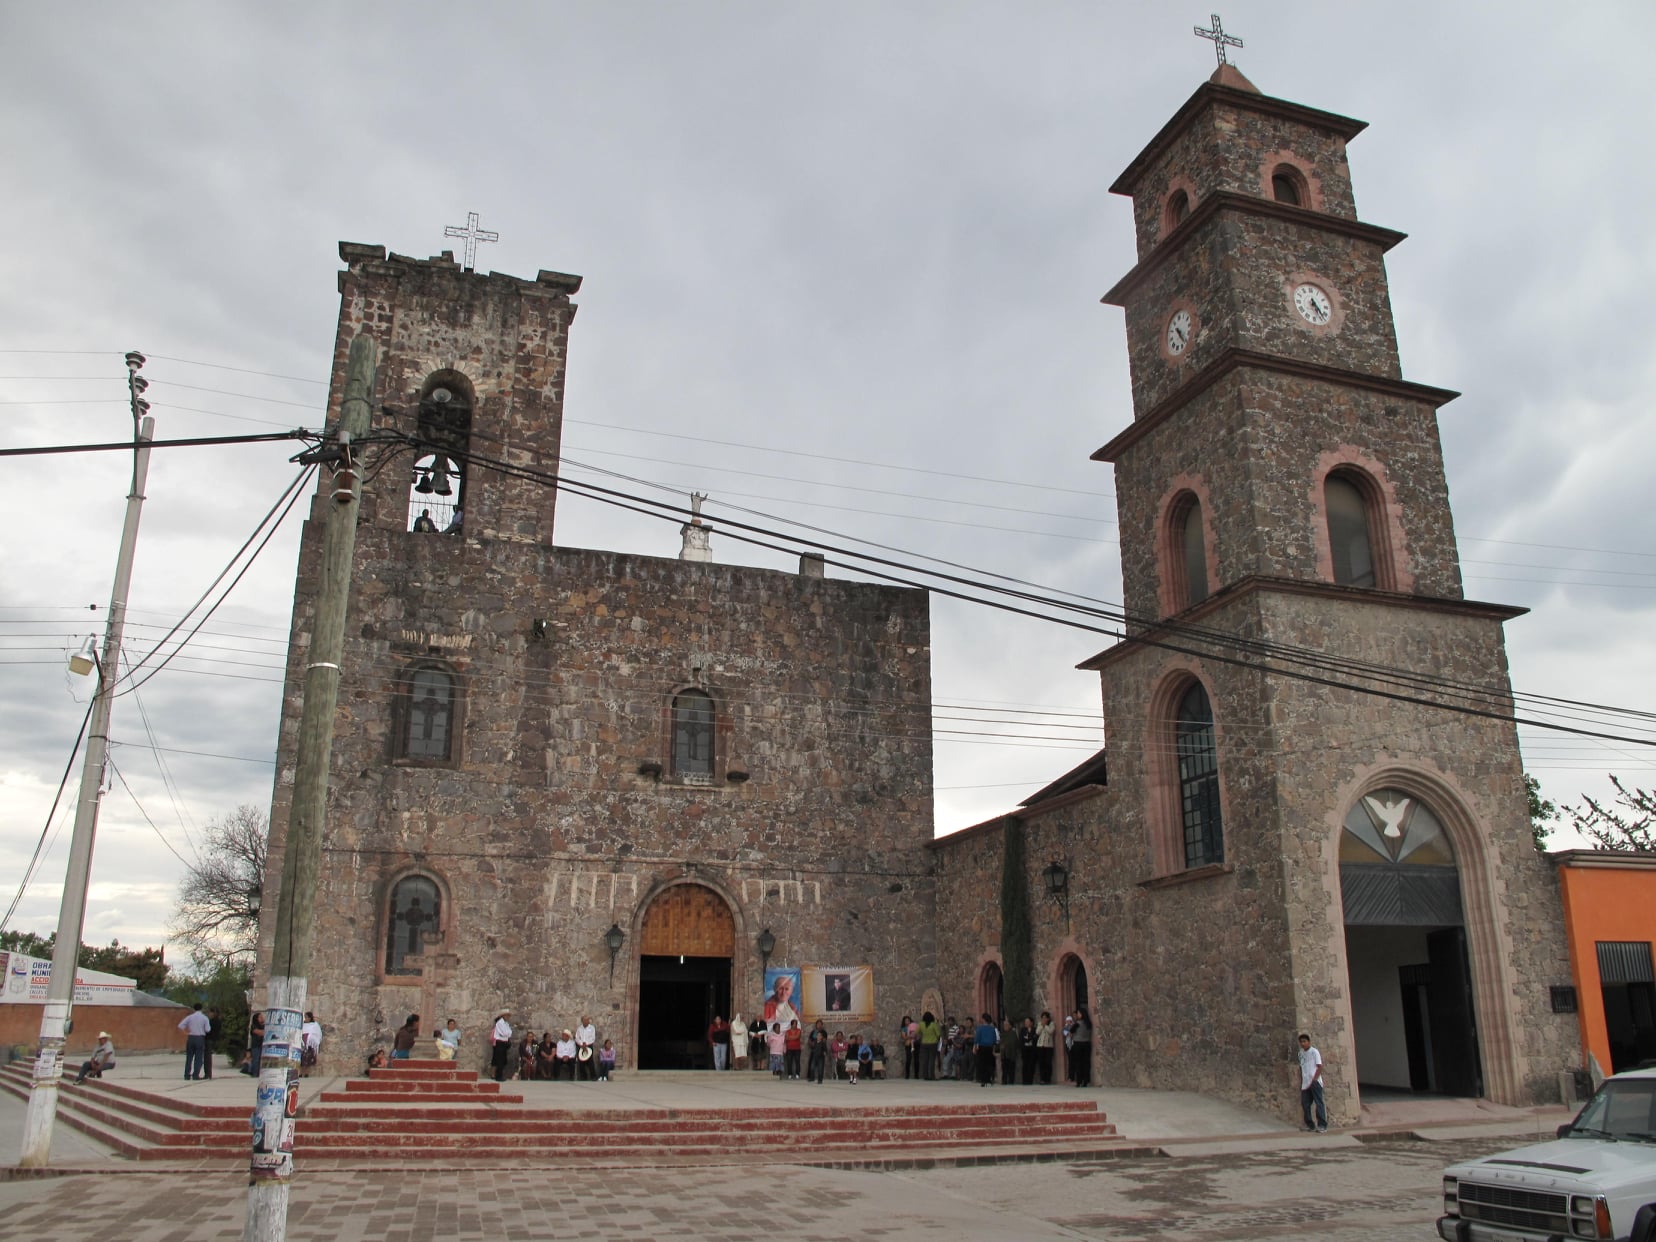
[
  {"x": 1628, "y": 824},
  {"x": 223, "y": 985},
  {"x": 218, "y": 900},
  {"x": 28, "y": 943},
  {"x": 1017, "y": 934},
  {"x": 147, "y": 966},
  {"x": 1542, "y": 813}
]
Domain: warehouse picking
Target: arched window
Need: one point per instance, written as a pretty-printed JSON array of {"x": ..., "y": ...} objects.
[
  {"x": 1351, "y": 549},
  {"x": 428, "y": 723},
  {"x": 692, "y": 734},
  {"x": 1178, "y": 207},
  {"x": 443, "y": 427},
  {"x": 415, "y": 908},
  {"x": 1288, "y": 185},
  {"x": 1204, "y": 842},
  {"x": 1192, "y": 549}
]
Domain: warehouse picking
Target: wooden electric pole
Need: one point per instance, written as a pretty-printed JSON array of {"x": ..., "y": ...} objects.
[{"x": 287, "y": 972}]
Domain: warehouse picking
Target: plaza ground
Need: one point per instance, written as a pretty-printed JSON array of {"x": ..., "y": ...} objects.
[{"x": 1197, "y": 1169}]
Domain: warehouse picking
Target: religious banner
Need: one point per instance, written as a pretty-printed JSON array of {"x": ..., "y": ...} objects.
[
  {"x": 837, "y": 994},
  {"x": 781, "y": 996}
]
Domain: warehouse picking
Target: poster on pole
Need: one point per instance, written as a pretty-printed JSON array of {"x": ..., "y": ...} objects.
[
  {"x": 277, "y": 1098},
  {"x": 837, "y": 994}
]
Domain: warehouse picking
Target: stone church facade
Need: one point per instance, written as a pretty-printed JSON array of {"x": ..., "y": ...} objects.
[
  {"x": 1259, "y": 851},
  {"x": 541, "y": 749},
  {"x": 579, "y": 782}
]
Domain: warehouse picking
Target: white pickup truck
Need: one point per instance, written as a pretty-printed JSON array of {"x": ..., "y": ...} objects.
[{"x": 1597, "y": 1179}]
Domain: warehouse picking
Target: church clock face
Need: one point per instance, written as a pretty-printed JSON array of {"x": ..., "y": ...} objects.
[
  {"x": 1180, "y": 329},
  {"x": 1313, "y": 304}
]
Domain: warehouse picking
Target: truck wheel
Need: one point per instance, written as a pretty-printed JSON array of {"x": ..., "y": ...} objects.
[{"x": 1644, "y": 1224}]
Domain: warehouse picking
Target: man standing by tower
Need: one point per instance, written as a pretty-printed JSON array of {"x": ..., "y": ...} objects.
[{"x": 1311, "y": 1085}]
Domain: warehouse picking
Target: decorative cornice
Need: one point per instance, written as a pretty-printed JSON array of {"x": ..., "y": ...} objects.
[
  {"x": 1247, "y": 205},
  {"x": 1212, "y": 93},
  {"x": 1172, "y": 630},
  {"x": 1235, "y": 359},
  {"x": 1601, "y": 860}
]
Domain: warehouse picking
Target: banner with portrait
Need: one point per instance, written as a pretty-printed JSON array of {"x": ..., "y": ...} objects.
[
  {"x": 781, "y": 996},
  {"x": 837, "y": 994}
]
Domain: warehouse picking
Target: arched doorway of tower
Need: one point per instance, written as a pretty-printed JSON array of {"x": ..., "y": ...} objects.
[
  {"x": 991, "y": 993},
  {"x": 1414, "y": 1025},
  {"x": 1073, "y": 993},
  {"x": 684, "y": 952}
]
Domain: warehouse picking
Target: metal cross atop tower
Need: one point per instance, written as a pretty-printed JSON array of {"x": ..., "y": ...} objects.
[
  {"x": 1221, "y": 40},
  {"x": 473, "y": 234}
]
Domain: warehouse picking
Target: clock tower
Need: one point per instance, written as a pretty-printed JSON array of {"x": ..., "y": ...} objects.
[{"x": 1315, "y": 817}]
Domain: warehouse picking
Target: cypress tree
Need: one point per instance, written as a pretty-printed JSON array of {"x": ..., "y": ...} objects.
[{"x": 1017, "y": 934}]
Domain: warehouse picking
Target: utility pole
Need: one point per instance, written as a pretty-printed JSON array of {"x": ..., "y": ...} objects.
[
  {"x": 60, "y": 992},
  {"x": 287, "y": 975}
]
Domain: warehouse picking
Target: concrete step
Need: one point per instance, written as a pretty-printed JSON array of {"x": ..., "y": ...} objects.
[{"x": 356, "y": 1129}]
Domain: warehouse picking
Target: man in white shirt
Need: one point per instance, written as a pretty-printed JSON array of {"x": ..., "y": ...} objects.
[
  {"x": 586, "y": 1063},
  {"x": 102, "y": 1058},
  {"x": 1311, "y": 1085},
  {"x": 195, "y": 1027}
]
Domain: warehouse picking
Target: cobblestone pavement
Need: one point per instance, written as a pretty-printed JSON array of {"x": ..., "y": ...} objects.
[{"x": 1341, "y": 1192}]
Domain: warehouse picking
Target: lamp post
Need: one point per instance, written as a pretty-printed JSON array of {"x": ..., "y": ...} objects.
[
  {"x": 614, "y": 938},
  {"x": 1056, "y": 876}
]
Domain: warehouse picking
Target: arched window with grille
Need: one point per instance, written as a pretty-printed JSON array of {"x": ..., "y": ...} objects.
[
  {"x": 428, "y": 730},
  {"x": 693, "y": 734},
  {"x": 1198, "y": 779},
  {"x": 415, "y": 908}
]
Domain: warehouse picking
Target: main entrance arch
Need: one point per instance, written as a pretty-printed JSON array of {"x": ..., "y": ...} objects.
[
  {"x": 684, "y": 956},
  {"x": 1414, "y": 1022}
]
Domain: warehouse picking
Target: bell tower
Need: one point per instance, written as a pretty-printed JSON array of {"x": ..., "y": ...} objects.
[{"x": 1298, "y": 645}]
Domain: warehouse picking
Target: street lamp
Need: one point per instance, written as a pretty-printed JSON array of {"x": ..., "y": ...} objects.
[
  {"x": 1056, "y": 876},
  {"x": 614, "y": 938}
]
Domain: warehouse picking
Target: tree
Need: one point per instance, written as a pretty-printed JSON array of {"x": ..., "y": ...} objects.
[
  {"x": 147, "y": 966},
  {"x": 1631, "y": 828},
  {"x": 1542, "y": 812},
  {"x": 1017, "y": 934},
  {"x": 218, "y": 899}
]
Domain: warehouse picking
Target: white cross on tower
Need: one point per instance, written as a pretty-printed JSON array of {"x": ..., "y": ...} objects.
[
  {"x": 1221, "y": 40},
  {"x": 473, "y": 234}
]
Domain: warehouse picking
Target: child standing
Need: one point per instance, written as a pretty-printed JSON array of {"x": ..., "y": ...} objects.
[{"x": 778, "y": 1046}]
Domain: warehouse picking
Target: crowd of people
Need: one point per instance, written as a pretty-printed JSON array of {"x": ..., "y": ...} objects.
[
  {"x": 1011, "y": 1052},
  {"x": 1015, "y": 1052}
]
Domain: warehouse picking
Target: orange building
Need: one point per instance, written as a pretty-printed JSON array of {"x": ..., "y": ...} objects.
[{"x": 1610, "y": 921}]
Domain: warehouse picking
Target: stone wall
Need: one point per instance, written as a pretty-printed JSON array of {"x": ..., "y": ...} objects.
[{"x": 543, "y": 830}]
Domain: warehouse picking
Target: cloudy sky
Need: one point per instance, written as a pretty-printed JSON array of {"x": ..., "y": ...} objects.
[{"x": 815, "y": 237}]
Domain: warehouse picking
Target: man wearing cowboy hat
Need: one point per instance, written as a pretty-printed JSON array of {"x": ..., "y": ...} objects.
[
  {"x": 500, "y": 1040},
  {"x": 103, "y": 1057},
  {"x": 586, "y": 1035}
]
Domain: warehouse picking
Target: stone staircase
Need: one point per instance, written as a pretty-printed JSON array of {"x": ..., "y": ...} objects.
[
  {"x": 140, "y": 1125},
  {"x": 420, "y": 1112}
]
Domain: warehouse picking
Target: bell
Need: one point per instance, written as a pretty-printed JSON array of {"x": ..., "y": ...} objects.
[
  {"x": 440, "y": 478},
  {"x": 423, "y": 482}
]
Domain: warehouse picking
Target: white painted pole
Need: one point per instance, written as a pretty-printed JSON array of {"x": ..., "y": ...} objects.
[{"x": 60, "y": 992}]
